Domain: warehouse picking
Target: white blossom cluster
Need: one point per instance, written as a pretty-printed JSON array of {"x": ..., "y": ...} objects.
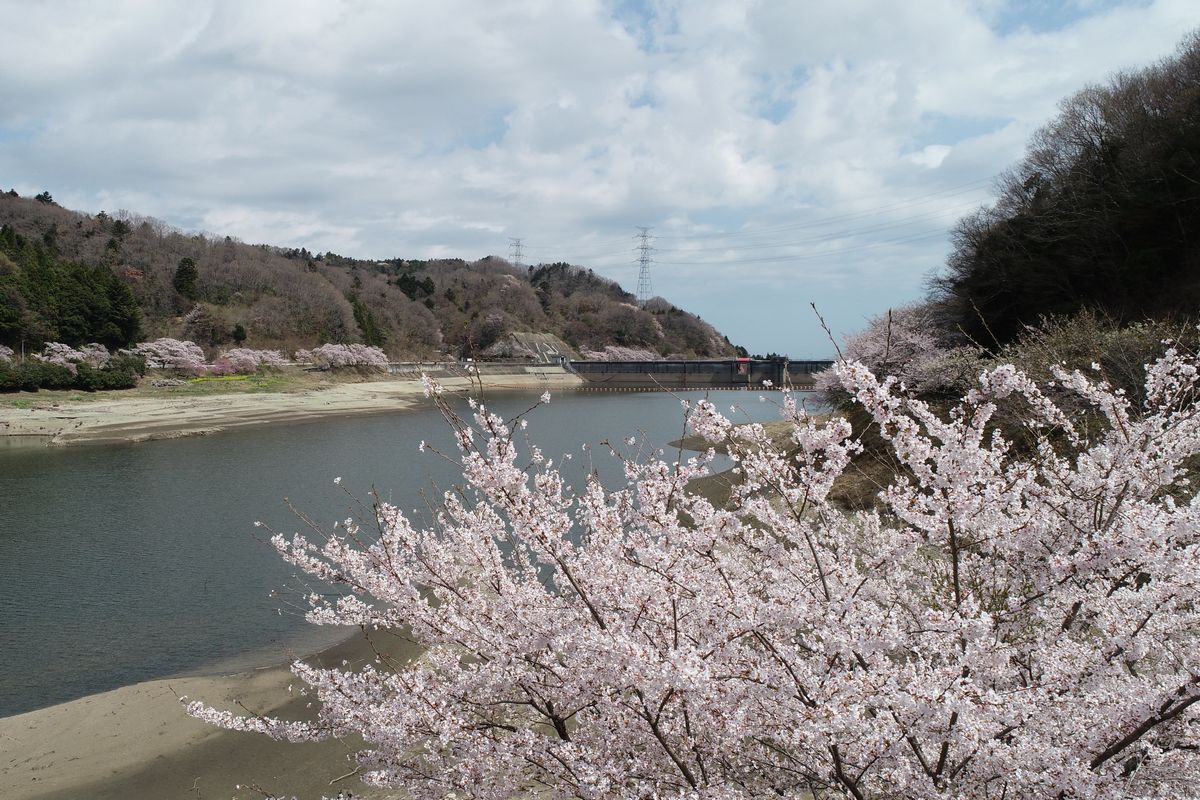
[
  {"x": 902, "y": 343},
  {"x": 244, "y": 361},
  {"x": 616, "y": 352},
  {"x": 166, "y": 353},
  {"x": 62, "y": 355},
  {"x": 6, "y": 353},
  {"x": 336, "y": 356},
  {"x": 1012, "y": 624}
]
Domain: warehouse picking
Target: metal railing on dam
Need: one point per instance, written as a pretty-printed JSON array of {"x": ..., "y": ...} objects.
[{"x": 731, "y": 373}]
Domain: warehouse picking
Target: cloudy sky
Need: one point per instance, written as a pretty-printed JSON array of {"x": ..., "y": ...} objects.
[{"x": 782, "y": 153}]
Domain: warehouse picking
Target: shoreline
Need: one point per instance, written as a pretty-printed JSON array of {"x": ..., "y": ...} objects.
[
  {"x": 114, "y": 419},
  {"x": 137, "y": 741}
]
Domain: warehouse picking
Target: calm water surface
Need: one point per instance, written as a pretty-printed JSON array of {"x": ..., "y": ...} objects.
[{"x": 130, "y": 562}]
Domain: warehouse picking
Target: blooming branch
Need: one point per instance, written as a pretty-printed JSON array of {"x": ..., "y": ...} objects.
[{"x": 1012, "y": 622}]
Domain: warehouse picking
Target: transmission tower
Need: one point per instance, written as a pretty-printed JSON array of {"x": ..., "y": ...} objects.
[
  {"x": 514, "y": 251},
  {"x": 644, "y": 290}
]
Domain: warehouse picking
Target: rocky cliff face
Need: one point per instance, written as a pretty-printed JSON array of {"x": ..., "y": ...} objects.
[{"x": 542, "y": 348}]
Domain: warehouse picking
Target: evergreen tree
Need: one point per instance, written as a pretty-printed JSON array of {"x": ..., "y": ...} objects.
[{"x": 185, "y": 278}]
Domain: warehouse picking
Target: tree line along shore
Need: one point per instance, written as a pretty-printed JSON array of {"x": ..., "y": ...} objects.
[{"x": 77, "y": 278}]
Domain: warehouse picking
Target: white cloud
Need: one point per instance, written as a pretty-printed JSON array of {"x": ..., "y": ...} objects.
[
  {"x": 254, "y": 225},
  {"x": 805, "y": 130},
  {"x": 931, "y": 156}
]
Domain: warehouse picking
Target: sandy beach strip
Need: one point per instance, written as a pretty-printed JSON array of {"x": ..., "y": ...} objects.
[
  {"x": 137, "y": 419},
  {"x": 137, "y": 741}
]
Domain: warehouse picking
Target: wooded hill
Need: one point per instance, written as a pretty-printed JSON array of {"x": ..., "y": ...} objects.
[
  {"x": 1103, "y": 213},
  {"x": 1089, "y": 259},
  {"x": 76, "y": 278}
]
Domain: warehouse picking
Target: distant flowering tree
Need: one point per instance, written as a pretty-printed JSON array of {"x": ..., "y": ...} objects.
[
  {"x": 903, "y": 343},
  {"x": 62, "y": 355},
  {"x": 337, "y": 356},
  {"x": 95, "y": 355},
  {"x": 1010, "y": 625},
  {"x": 165, "y": 353},
  {"x": 243, "y": 361},
  {"x": 59, "y": 355},
  {"x": 6, "y": 353},
  {"x": 615, "y": 352}
]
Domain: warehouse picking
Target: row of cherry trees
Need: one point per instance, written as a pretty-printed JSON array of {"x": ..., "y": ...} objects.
[{"x": 189, "y": 358}]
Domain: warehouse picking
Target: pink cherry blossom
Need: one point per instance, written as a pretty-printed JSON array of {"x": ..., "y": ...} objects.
[
  {"x": 62, "y": 355},
  {"x": 1009, "y": 623},
  {"x": 903, "y": 343},
  {"x": 243, "y": 360},
  {"x": 338, "y": 356},
  {"x": 173, "y": 354},
  {"x": 615, "y": 352}
]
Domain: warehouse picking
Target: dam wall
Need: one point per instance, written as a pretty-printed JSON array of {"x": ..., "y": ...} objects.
[{"x": 732, "y": 373}]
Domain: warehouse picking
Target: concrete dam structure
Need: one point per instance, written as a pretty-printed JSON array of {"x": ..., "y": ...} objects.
[{"x": 730, "y": 373}]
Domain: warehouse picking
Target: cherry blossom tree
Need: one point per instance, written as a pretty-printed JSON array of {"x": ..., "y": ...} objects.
[
  {"x": 340, "y": 356},
  {"x": 166, "y": 353},
  {"x": 58, "y": 355},
  {"x": 904, "y": 343},
  {"x": 243, "y": 360},
  {"x": 1011, "y": 624},
  {"x": 62, "y": 355},
  {"x": 95, "y": 355},
  {"x": 614, "y": 352},
  {"x": 6, "y": 353}
]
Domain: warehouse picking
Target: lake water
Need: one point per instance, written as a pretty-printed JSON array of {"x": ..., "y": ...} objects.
[{"x": 131, "y": 562}]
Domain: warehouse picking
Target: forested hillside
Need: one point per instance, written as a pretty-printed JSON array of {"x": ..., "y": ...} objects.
[
  {"x": 76, "y": 278},
  {"x": 43, "y": 298},
  {"x": 1089, "y": 260},
  {"x": 1103, "y": 213}
]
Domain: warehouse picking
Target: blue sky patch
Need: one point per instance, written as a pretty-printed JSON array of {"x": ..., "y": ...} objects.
[
  {"x": 645, "y": 23},
  {"x": 776, "y": 98},
  {"x": 644, "y": 99},
  {"x": 952, "y": 129},
  {"x": 1040, "y": 16},
  {"x": 486, "y": 129},
  {"x": 16, "y": 135}
]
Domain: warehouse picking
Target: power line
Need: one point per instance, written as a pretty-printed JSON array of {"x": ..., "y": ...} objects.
[
  {"x": 729, "y": 254},
  {"x": 514, "y": 250},
  {"x": 598, "y": 243},
  {"x": 726, "y": 247},
  {"x": 832, "y": 236},
  {"x": 623, "y": 252},
  {"x": 800, "y": 257},
  {"x": 953, "y": 191}
]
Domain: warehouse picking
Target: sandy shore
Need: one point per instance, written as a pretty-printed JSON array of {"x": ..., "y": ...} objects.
[
  {"x": 137, "y": 419},
  {"x": 136, "y": 742}
]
